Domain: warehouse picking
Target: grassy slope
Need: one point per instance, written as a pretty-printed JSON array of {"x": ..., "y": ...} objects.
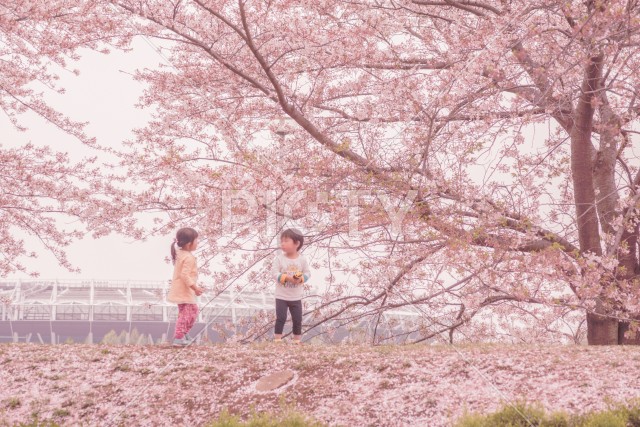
[{"x": 340, "y": 385}]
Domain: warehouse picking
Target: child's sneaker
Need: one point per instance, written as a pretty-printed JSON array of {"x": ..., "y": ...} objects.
[{"x": 181, "y": 342}]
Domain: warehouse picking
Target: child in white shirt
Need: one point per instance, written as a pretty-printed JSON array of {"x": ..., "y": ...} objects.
[{"x": 290, "y": 270}]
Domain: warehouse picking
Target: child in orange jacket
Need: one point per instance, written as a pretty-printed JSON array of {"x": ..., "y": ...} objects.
[{"x": 184, "y": 288}]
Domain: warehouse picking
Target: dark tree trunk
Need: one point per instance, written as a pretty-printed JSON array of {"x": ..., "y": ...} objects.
[
  {"x": 582, "y": 162},
  {"x": 601, "y": 330},
  {"x": 624, "y": 327}
]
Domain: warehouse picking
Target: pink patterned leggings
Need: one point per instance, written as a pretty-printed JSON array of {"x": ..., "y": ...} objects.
[{"x": 187, "y": 315}]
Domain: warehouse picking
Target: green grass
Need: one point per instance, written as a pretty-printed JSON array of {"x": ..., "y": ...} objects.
[
  {"x": 525, "y": 415},
  {"x": 13, "y": 402},
  {"x": 61, "y": 413},
  {"x": 39, "y": 423},
  {"x": 287, "y": 418}
]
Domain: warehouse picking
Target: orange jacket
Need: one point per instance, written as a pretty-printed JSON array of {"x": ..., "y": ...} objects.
[{"x": 185, "y": 275}]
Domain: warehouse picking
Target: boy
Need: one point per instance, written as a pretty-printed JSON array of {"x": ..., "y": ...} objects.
[{"x": 290, "y": 270}]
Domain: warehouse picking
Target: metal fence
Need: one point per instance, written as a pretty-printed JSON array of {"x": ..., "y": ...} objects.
[{"x": 56, "y": 311}]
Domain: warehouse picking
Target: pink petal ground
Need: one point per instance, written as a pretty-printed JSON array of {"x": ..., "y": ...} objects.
[{"x": 340, "y": 385}]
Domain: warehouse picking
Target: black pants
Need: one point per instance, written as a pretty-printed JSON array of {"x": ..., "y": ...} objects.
[{"x": 295, "y": 307}]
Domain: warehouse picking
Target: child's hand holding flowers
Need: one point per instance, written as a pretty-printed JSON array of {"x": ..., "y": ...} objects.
[{"x": 298, "y": 278}]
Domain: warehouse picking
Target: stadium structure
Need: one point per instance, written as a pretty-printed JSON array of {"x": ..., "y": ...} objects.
[{"x": 59, "y": 311}]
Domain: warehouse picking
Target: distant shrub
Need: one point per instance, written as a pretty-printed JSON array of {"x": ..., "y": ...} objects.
[
  {"x": 113, "y": 338},
  {"x": 110, "y": 338}
]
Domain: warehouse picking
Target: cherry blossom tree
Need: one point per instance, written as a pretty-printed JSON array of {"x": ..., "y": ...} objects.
[
  {"x": 469, "y": 161},
  {"x": 499, "y": 133}
]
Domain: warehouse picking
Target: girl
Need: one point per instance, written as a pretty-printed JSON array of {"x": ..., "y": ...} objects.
[{"x": 183, "y": 286}]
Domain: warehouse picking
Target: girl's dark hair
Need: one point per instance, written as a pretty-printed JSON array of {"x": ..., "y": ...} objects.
[
  {"x": 295, "y": 235},
  {"x": 184, "y": 236}
]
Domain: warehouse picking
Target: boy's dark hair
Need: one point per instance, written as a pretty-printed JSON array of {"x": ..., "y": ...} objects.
[
  {"x": 295, "y": 235},
  {"x": 184, "y": 236}
]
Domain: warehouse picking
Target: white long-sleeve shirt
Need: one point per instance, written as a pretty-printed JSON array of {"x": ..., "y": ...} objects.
[{"x": 286, "y": 289}]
